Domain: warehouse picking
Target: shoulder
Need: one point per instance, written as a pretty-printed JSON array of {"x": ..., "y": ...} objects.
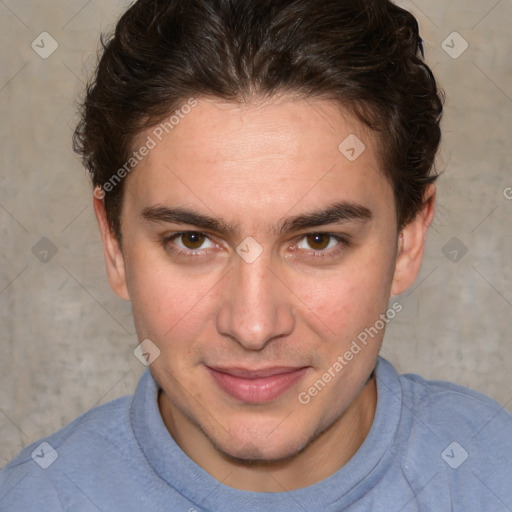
[
  {"x": 459, "y": 438},
  {"x": 29, "y": 478},
  {"x": 449, "y": 405},
  {"x": 96, "y": 423},
  {"x": 441, "y": 411}
]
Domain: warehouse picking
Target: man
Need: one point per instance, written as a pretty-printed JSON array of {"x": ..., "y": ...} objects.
[{"x": 263, "y": 186}]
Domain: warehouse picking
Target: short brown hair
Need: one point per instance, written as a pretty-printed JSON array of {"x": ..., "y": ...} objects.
[{"x": 365, "y": 54}]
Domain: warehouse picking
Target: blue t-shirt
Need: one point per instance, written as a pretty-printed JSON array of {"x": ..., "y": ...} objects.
[{"x": 433, "y": 446}]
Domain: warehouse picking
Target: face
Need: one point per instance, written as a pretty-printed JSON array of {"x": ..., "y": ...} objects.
[{"x": 255, "y": 252}]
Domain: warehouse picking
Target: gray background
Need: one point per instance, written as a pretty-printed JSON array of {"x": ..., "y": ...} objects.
[{"x": 67, "y": 341}]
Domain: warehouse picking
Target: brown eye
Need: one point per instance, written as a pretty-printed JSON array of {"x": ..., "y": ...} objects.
[
  {"x": 192, "y": 240},
  {"x": 318, "y": 241}
]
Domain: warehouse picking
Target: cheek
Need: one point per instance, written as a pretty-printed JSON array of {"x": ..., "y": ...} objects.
[
  {"x": 165, "y": 300},
  {"x": 347, "y": 301}
]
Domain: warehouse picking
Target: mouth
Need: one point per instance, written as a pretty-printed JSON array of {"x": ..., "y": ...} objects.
[{"x": 256, "y": 386}]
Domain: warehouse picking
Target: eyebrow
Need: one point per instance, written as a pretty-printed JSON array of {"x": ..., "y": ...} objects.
[{"x": 343, "y": 211}]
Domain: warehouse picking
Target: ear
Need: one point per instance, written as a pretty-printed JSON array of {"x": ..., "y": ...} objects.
[
  {"x": 114, "y": 260},
  {"x": 411, "y": 244}
]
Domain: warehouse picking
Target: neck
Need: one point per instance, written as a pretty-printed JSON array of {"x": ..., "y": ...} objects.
[{"x": 324, "y": 455}]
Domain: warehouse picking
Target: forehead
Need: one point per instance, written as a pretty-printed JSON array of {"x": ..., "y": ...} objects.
[{"x": 269, "y": 156}]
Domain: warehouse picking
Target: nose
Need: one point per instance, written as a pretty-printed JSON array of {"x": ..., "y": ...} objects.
[{"x": 256, "y": 306}]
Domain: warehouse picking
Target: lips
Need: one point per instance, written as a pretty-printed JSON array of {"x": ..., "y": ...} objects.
[{"x": 256, "y": 386}]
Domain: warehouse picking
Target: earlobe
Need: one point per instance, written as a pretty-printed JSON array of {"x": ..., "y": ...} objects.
[
  {"x": 411, "y": 245},
  {"x": 114, "y": 260}
]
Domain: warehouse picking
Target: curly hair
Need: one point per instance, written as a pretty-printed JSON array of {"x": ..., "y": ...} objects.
[{"x": 365, "y": 54}]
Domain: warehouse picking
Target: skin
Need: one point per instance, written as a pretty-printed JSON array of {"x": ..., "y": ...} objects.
[{"x": 299, "y": 304}]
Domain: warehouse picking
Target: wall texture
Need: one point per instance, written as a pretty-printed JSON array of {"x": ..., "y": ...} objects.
[{"x": 67, "y": 341}]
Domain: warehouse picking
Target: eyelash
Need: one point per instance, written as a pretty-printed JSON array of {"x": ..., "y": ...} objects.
[{"x": 343, "y": 242}]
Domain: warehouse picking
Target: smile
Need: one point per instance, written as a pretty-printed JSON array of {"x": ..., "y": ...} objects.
[{"x": 256, "y": 386}]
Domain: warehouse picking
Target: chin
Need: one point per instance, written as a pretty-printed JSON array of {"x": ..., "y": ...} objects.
[{"x": 247, "y": 449}]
